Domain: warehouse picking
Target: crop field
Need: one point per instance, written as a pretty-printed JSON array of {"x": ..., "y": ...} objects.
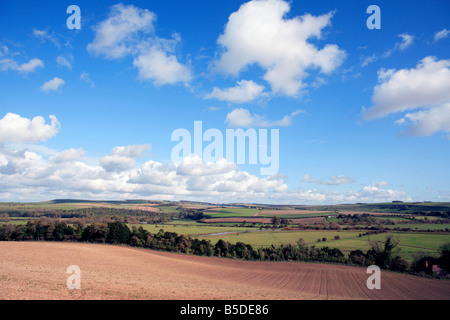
[
  {"x": 37, "y": 270},
  {"x": 191, "y": 229},
  {"x": 307, "y": 221},
  {"x": 422, "y": 226},
  {"x": 289, "y": 213},
  {"x": 267, "y": 238},
  {"x": 231, "y": 212},
  {"x": 410, "y": 244},
  {"x": 49, "y": 205}
]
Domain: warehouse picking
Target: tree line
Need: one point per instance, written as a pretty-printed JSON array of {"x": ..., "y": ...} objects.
[
  {"x": 381, "y": 253},
  {"x": 105, "y": 214}
]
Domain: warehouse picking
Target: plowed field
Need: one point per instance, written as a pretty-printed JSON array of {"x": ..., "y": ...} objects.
[{"x": 37, "y": 270}]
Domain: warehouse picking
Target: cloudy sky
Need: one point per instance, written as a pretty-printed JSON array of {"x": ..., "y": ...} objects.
[{"x": 363, "y": 114}]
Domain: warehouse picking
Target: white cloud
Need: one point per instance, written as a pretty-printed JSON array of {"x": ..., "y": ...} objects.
[
  {"x": 116, "y": 36},
  {"x": 380, "y": 184},
  {"x": 407, "y": 40},
  {"x": 194, "y": 166},
  {"x": 258, "y": 33},
  {"x": 64, "y": 62},
  {"x": 425, "y": 87},
  {"x": 53, "y": 84},
  {"x": 68, "y": 155},
  {"x": 367, "y": 194},
  {"x": 123, "y": 158},
  {"x": 3, "y": 50},
  {"x": 424, "y": 91},
  {"x": 132, "y": 151},
  {"x": 129, "y": 31},
  {"x": 28, "y": 175},
  {"x": 213, "y": 108},
  {"x": 14, "y": 128},
  {"x": 44, "y": 36},
  {"x": 333, "y": 181},
  {"x": 30, "y": 66},
  {"x": 369, "y": 59},
  {"x": 86, "y": 78},
  {"x": 162, "y": 68},
  {"x": 244, "y": 91},
  {"x": 427, "y": 122},
  {"x": 441, "y": 35},
  {"x": 242, "y": 118}
]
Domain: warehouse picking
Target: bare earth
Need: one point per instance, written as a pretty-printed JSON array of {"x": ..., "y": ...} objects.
[{"x": 37, "y": 270}]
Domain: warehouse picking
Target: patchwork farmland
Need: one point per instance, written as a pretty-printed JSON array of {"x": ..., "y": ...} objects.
[{"x": 212, "y": 241}]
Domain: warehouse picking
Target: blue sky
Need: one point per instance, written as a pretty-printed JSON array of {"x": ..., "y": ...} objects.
[{"x": 363, "y": 115}]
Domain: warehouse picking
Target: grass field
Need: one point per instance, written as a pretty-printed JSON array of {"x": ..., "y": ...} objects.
[
  {"x": 267, "y": 238},
  {"x": 231, "y": 212},
  {"x": 191, "y": 229},
  {"x": 421, "y": 226},
  {"x": 410, "y": 244}
]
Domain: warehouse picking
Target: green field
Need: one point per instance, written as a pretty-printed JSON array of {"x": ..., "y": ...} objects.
[
  {"x": 410, "y": 244},
  {"x": 189, "y": 228},
  {"x": 267, "y": 238},
  {"x": 232, "y": 212},
  {"x": 421, "y": 226},
  {"x": 19, "y": 220}
]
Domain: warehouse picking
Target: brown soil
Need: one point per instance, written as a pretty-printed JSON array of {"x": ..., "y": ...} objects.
[
  {"x": 150, "y": 208},
  {"x": 37, "y": 270}
]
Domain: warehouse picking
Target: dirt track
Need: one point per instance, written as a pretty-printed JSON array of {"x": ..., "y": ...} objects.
[{"x": 37, "y": 270}]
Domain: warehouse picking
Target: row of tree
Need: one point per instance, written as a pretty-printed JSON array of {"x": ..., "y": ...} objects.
[{"x": 381, "y": 253}]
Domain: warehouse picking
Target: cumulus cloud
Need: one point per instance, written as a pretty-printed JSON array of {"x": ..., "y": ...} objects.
[
  {"x": 258, "y": 33},
  {"x": 161, "y": 67},
  {"x": 14, "y": 128},
  {"x": 380, "y": 184},
  {"x": 123, "y": 158},
  {"x": 242, "y": 118},
  {"x": 68, "y": 155},
  {"x": 29, "y": 175},
  {"x": 333, "y": 181},
  {"x": 7, "y": 62},
  {"x": 26, "y": 67},
  {"x": 195, "y": 166},
  {"x": 367, "y": 194},
  {"x": 425, "y": 87},
  {"x": 116, "y": 36},
  {"x": 427, "y": 122},
  {"x": 441, "y": 35},
  {"x": 244, "y": 91},
  {"x": 53, "y": 84},
  {"x": 129, "y": 31}
]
